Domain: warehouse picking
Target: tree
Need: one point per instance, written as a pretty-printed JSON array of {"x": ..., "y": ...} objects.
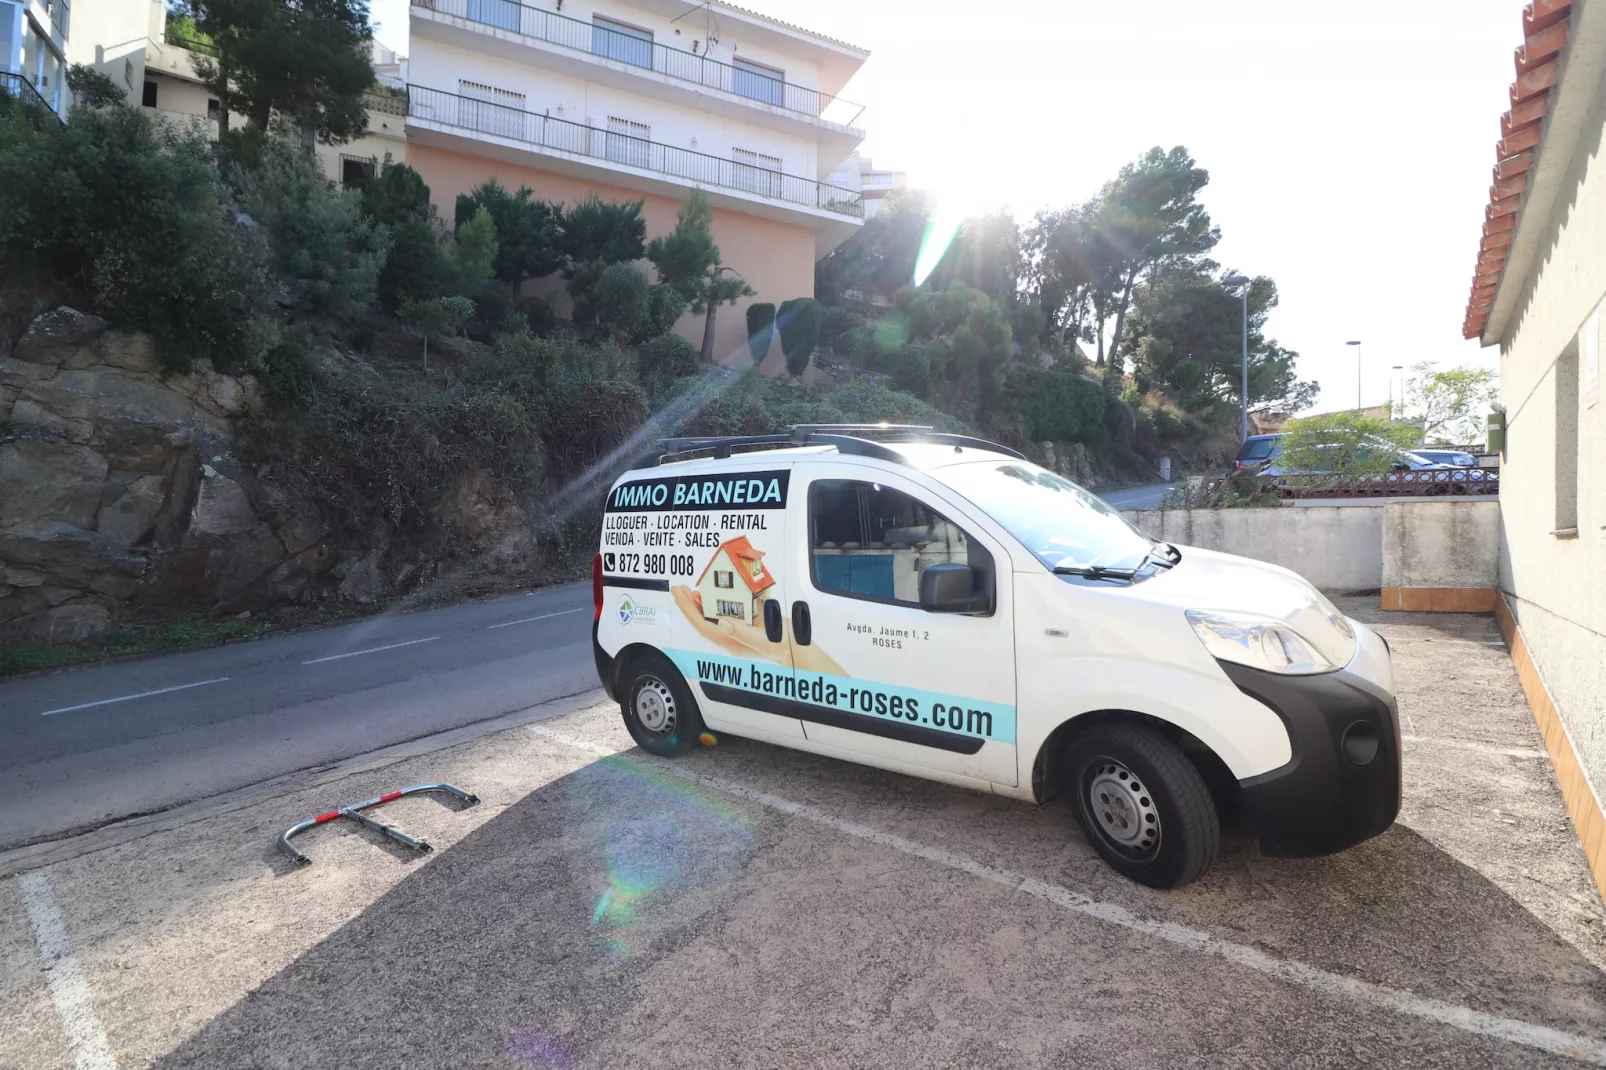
[
  {"x": 1146, "y": 219},
  {"x": 594, "y": 234},
  {"x": 688, "y": 261},
  {"x": 307, "y": 60},
  {"x": 92, "y": 89},
  {"x": 476, "y": 253},
  {"x": 760, "y": 329},
  {"x": 441, "y": 316},
  {"x": 799, "y": 323},
  {"x": 527, "y": 231},
  {"x": 1343, "y": 445},
  {"x": 880, "y": 258},
  {"x": 1447, "y": 406},
  {"x": 417, "y": 268},
  {"x": 324, "y": 249}
]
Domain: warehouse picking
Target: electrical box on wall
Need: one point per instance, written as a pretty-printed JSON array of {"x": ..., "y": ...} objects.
[{"x": 1495, "y": 433}]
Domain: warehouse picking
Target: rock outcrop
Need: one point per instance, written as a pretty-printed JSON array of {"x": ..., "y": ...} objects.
[{"x": 118, "y": 483}]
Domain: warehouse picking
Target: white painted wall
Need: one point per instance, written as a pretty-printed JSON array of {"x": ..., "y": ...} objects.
[
  {"x": 1336, "y": 548},
  {"x": 112, "y": 36},
  {"x": 436, "y": 65},
  {"x": 1557, "y": 586},
  {"x": 1435, "y": 542}
]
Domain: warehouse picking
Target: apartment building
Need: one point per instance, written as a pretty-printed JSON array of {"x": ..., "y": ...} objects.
[
  {"x": 34, "y": 36},
  {"x": 873, "y": 184},
  {"x": 1539, "y": 293},
  {"x": 646, "y": 99}
]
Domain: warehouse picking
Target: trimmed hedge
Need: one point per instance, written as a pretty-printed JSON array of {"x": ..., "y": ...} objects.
[
  {"x": 1058, "y": 406},
  {"x": 760, "y": 329},
  {"x": 799, "y": 323}
]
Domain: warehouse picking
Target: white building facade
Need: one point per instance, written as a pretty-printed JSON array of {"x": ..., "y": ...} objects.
[{"x": 648, "y": 100}]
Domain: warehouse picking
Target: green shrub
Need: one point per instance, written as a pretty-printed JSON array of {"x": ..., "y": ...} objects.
[
  {"x": 1057, "y": 406},
  {"x": 325, "y": 251},
  {"x": 134, "y": 220},
  {"x": 799, "y": 323},
  {"x": 760, "y": 328},
  {"x": 663, "y": 362},
  {"x": 622, "y": 303}
]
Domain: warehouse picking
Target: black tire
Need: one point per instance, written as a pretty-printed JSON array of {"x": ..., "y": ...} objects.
[
  {"x": 652, "y": 692},
  {"x": 1142, "y": 804}
]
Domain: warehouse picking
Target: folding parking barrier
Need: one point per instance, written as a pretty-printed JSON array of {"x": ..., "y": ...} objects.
[{"x": 354, "y": 813}]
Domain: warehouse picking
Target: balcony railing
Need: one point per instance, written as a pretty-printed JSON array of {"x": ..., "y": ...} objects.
[
  {"x": 533, "y": 128},
  {"x": 17, "y": 85},
  {"x": 192, "y": 44},
  {"x": 642, "y": 52}
]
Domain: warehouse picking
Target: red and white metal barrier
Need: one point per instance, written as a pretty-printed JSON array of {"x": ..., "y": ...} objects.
[{"x": 354, "y": 812}]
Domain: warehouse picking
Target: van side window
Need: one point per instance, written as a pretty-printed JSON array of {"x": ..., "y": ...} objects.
[{"x": 870, "y": 541}]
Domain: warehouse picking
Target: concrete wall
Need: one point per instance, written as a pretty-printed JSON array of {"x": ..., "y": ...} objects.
[
  {"x": 1438, "y": 543},
  {"x": 1556, "y": 584},
  {"x": 1337, "y": 548},
  {"x": 776, "y": 258}
]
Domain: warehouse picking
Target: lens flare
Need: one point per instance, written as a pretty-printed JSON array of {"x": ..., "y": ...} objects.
[
  {"x": 941, "y": 229},
  {"x": 670, "y": 835},
  {"x": 707, "y": 739}
]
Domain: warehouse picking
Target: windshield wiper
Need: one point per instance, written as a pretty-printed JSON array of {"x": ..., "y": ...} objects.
[{"x": 1095, "y": 572}]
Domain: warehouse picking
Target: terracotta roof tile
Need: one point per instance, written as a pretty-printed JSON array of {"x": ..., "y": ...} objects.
[{"x": 1545, "y": 26}]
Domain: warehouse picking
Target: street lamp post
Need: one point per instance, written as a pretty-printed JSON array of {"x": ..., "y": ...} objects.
[
  {"x": 1242, "y": 282},
  {"x": 1357, "y": 346},
  {"x": 1396, "y": 368}
]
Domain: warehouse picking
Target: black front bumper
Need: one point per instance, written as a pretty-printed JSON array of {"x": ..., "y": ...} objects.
[{"x": 1342, "y": 785}]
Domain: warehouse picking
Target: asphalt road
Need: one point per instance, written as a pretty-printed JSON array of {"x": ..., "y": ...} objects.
[
  {"x": 90, "y": 746},
  {"x": 1138, "y": 497}
]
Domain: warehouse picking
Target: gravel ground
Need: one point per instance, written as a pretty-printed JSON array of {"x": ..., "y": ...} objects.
[{"x": 754, "y": 907}]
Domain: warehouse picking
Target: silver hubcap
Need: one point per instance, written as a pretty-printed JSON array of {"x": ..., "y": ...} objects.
[
  {"x": 1122, "y": 807},
  {"x": 655, "y": 706}
]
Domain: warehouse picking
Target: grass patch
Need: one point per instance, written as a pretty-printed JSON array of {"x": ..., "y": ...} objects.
[{"x": 166, "y": 634}]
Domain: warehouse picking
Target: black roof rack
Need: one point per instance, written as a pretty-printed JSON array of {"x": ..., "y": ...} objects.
[{"x": 861, "y": 440}]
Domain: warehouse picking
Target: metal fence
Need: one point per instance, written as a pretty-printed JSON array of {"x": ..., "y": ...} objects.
[
  {"x": 533, "y": 128},
  {"x": 1423, "y": 482},
  {"x": 639, "y": 50},
  {"x": 17, "y": 85}
]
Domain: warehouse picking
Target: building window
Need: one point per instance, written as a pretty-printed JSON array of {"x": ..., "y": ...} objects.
[
  {"x": 128, "y": 73},
  {"x": 628, "y": 142},
  {"x": 214, "y": 109},
  {"x": 724, "y": 578},
  {"x": 758, "y": 83},
  {"x": 353, "y": 169},
  {"x": 758, "y": 173},
  {"x": 1567, "y": 466},
  {"x": 503, "y": 14},
  {"x": 731, "y": 609},
  {"x": 615, "y": 40},
  {"x": 490, "y": 110},
  {"x": 148, "y": 98}
]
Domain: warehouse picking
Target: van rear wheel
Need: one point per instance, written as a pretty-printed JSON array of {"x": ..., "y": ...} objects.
[
  {"x": 658, "y": 709},
  {"x": 1142, "y": 804}
]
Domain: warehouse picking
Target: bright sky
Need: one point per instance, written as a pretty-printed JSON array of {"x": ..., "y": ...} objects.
[{"x": 1349, "y": 144}]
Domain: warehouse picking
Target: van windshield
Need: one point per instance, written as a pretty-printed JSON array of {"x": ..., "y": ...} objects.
[
  {"x": 1052, "y": 517},
  {"x": 1258, "y": 449}
]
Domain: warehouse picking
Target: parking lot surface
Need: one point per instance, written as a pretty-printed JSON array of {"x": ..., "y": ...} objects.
[{"x": 749, "y": 906}]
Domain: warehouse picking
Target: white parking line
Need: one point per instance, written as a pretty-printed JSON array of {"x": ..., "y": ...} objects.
[
  {"x": 91, "y": 1050},
  {"x": 544, "y": 616},
  {"x": 1528, "y": 1034},
  {"x": 371, "y": 650},
  {"x": 126, "y": 698}
]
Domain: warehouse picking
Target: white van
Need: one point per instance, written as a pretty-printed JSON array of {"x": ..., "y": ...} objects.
[{"x": 939, "y": 606}]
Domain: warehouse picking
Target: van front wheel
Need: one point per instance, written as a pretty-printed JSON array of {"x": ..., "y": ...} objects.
[
  {"x": 1142, "y": 804},
  {"x": 658, "y": 708}
]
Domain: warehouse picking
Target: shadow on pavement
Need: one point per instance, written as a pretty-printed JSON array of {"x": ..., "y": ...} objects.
[{"x": 620, "y": 916}]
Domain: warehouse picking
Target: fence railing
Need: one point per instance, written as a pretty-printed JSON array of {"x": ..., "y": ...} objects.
[
  {"x": 533, "y": 128},
  {"x": 639, "y": 50},
  {"x": 191, "y": 44},
  {"x": 1421, "y": 482},
  {"x": 19, "y": 86}
]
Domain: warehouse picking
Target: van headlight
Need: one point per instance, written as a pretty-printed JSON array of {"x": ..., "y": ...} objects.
[{"x": 1258, "y": 642}]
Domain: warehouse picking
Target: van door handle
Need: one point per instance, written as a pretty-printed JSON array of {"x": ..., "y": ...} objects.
[
  {"x": 772, "y": 620},
  {"x": 802, "y": 628}
]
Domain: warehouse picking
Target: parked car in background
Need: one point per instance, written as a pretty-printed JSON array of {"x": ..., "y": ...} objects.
[
  {"x": 1257, "y": 449},
  {"x": 1453, "y": 458},
  {"x": 1400, "y": 460}
]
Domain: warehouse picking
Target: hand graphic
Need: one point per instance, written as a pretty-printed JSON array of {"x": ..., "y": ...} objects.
[{"x": 745, "y": 640}]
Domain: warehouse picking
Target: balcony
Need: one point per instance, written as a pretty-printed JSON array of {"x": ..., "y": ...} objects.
[
  {"x": 565, "y": 140},
  {"x": 18, "y": 86},
  {"x": 601, "y": 47}
]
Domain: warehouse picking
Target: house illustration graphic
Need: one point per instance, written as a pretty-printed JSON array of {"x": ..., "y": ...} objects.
[{"x": 734, "y": 583}]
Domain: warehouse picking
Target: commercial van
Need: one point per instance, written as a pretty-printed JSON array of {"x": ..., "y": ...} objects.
[{"x": 939, "y": 606}]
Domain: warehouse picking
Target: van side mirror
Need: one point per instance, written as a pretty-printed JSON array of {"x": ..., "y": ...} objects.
[{"x": 952, "y": 589}]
